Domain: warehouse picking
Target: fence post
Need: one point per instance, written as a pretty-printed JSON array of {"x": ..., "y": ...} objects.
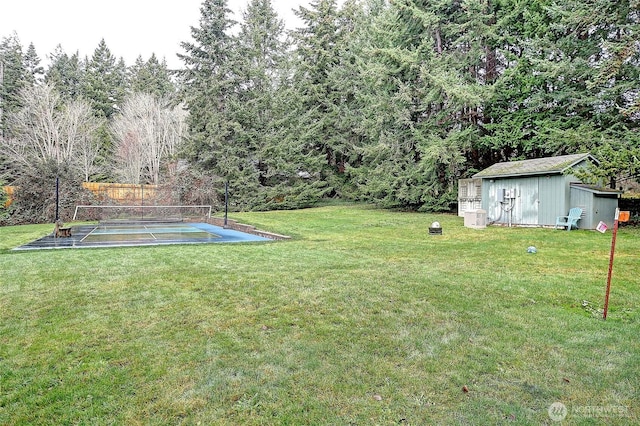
[
  {"x": 226, "y": 202},
  {"x": 57, "y": 198}
]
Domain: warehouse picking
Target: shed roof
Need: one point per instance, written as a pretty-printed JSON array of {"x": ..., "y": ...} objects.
[
  {"x": 548, "y": 165},
  {"x": 596, "y": 190}
]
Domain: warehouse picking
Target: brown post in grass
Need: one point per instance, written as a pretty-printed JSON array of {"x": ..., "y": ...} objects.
[{"x": 620, "y": 217}]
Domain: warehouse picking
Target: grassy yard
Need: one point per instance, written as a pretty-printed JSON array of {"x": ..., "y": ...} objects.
[{"x": 362, "y": 318}]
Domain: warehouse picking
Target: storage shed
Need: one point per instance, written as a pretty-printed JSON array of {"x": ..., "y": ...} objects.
[
  {"x": 535, "y": 192},
  {"x": 597, "y": 204}
]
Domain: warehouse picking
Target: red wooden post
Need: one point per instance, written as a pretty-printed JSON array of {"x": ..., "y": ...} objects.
[{"x": 619, "y": 217}]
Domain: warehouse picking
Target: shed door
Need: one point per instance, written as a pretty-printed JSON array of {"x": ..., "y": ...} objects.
[
  {"x": 528, "y": 201},
  {"x": 537, "y": 198},
  {"x": 547, "y": 201}
]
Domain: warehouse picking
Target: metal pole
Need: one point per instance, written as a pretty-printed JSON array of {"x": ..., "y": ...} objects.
[
  {"x": 226, "y": 201},
  {"x": 611, "y": 255},
  {"x": 57, "y": 198},
  {"x": 1, "y": 99},
  {"x": 142, "y": 200}
]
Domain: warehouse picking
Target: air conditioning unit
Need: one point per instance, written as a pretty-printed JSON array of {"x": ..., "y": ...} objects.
[{"x": 475, "y": 219}]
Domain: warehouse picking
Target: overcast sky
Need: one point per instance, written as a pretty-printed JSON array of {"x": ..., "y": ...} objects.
[{"x": 129, "y": 27}]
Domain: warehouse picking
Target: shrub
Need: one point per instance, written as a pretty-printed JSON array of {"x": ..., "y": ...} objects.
[{"x": 34, "y": 200}]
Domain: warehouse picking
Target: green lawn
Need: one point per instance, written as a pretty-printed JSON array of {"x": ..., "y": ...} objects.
[{"x": 362, "y": 318}]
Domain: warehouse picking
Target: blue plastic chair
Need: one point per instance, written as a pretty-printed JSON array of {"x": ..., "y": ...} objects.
[{"x": 571, "y": 220}]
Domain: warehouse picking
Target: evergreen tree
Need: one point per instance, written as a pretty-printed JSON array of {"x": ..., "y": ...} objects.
[
  {"x": 35, "y": 71},
  {"x": 151, "y": 77},
  {"x": 348, "y": 78},
  {"x": 66, "y": 73},
  {"x": 393, "y": 102},
  {"x": 104, "y": 86},
  {"x": 13, "y": 77},
  {"x": 209, "y": 85},
  {"x": 426, "y": 89},
  {"x": 104, "y": 81},
  {"x": 601, "y": 60},
  {"x": 507, "y": 125},
  {"x": 317, "y": 53},
  {"x": 261, "y": 80},
  {"x": 121, "y": 82},
  {"x": 389, "y": 155},
  {"x": 572, "y": 77}
]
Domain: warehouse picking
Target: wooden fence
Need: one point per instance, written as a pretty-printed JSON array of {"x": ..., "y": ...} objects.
[
  {"x": 118, "y": 192},
  {"x": 9, "y": 190},
  {"x": 121, "y": 192}
]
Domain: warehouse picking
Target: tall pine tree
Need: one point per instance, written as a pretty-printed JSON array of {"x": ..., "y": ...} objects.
[
  {"x": 260, "y": 59},
  {"x": 35, "y": 71},
  {"x": 13, "y": 77},
  {"x": 316, "y": 54},
  {"x": 104, "y": 80},
  {"x": 66, "y": 73},
  {"x": 151, "y": 77},
  {"x": 209, "y": 86},
  {"x": 104, "y": 86}
]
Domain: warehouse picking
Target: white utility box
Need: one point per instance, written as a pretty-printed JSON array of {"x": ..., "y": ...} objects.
[{"x": 475, "y": 219}]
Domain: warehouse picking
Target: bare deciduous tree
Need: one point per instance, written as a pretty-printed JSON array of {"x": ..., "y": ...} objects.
[
  {"x": 47, "y": 131},
  {"x": 128, "y": 158},
  {"x": 147, "y": 133},
  {"x": 78, "y": 127},
  {"x": 33, "y": 136}
]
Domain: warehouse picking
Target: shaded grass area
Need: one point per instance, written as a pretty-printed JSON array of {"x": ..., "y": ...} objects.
[{"x": 362, "y": 318}]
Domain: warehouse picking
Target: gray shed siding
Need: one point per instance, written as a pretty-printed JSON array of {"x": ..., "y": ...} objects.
[
  {"x": 539, "y": 200},
  {"x": 489, "y": 203},
  {"x": 542, "y": 189},
  {"x": 596, "y": 207},
  {"x": 554, "y": 192},
  {"x": 526, "y": 206}
]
